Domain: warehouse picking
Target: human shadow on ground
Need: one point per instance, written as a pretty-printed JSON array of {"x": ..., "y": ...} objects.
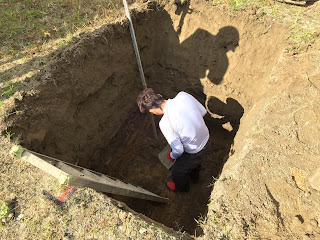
[
  {"x": 172, "y": 61},
  {"x": 212, "y": 51},
  {"x": 229, "y": 112}
]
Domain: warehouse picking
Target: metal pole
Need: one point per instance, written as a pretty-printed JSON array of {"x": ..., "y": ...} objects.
[{"x": 135, "y": 46}]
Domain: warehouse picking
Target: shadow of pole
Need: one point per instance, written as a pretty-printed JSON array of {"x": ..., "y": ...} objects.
[{"x": 183, "y": 7}]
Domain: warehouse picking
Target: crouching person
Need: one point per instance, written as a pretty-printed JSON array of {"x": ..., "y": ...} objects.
[{"x": 183, "y": 126}]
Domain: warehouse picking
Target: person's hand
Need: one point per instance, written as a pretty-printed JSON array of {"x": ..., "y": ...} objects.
[{"x": 169, "y": 157}]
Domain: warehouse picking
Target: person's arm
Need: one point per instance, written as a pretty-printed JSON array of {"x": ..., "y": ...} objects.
[{"x": 173, "y": 140}]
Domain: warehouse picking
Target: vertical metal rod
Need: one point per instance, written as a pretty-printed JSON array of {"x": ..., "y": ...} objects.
[{"x": 135, "y": 46}]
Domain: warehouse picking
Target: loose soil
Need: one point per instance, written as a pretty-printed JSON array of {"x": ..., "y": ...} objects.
[{"x": 83, "y": 110}]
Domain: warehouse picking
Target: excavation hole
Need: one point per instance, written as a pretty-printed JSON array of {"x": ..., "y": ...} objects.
[{"x": 84, "y": 110}]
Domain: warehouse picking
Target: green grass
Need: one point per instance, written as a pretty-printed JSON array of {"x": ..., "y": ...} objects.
[
  {"x": 9, "y": 135},
  {"x": 29, "y": 23},
  {"x": 4, "y": 209},
  {"x": 299, "y": 34},
  {"x": 302, "y": 35},
  {"x": 10, "y": 90},
  {"x": 34, "y": 13},
  {"x": 300, "y": 38},
  {"x": 202, "y": 220},
  {"x": 238, "y": 5},
  {"x": 213, "y": 182},
  {"x": 235, "y": 5}
]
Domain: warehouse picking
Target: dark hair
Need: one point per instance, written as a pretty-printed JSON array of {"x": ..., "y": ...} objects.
[{"x": 147, "y": 100}]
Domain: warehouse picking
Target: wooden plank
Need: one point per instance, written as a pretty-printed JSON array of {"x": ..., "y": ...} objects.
[
  {"x": 83, "y": 182},
  {"x": 300, "y": 3},
  {"x": 118, "y": 187},
  {"x": 97, "y": 183},
  {"x": 93, "y": 176},
  {"x": 41, "y": 164},
  {"x": 121, "y": 184},
  {"x": 99, "y": 177},
  {"x": 81, "y": 177},
  {"x": 70, "y": 170},
  {"x": 48, "y": 159}
]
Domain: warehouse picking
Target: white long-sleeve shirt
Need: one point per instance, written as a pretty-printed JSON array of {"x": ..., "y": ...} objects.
[{"x": 183, "y": 126}]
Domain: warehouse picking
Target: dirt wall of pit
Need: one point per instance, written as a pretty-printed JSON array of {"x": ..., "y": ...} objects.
[{"x": 84, "y": 95}]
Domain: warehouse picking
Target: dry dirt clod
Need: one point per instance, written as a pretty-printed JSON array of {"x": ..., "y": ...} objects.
[
  {"x": 307, "y": 194},
  {"x": 227, "y": 126},
  {"x": 314, "y": 179},
  {"x": 299, "y": 177},
  {"x": 122, "y": 215},
  {"x": 142, "y": 230},
  {"x": 314, "y": 223},
  {"x": 296, "y": 221},
  {"x": 309, "y": 228},
  {"x": 305, "y": 237}
]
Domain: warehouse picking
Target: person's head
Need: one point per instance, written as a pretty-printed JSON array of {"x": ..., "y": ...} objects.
[
  {"x": 148, "y": 101},
  {"x": 229, "y": 38}
]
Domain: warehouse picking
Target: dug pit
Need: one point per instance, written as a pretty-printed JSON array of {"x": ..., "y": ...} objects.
[{"x": 84, "y": 112}]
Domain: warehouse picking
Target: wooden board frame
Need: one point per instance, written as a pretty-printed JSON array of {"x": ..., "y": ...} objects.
[
  {"x": 294, "y": 2},
  {"x": 77, "y": 176}
]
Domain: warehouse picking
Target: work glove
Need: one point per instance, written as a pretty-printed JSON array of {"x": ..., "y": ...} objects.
[{"x": 169, "y": 157}]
